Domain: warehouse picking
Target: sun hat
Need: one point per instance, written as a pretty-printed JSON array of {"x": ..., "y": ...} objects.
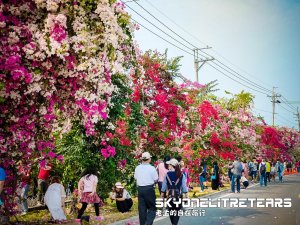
[
  {"x": 146, "y": 155},
  {"x": 119, "y": 185},
  {"x": 172, "y": 162}
]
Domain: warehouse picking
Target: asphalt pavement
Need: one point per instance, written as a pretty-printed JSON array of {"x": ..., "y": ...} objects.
[{"x": 290, "y": 188}]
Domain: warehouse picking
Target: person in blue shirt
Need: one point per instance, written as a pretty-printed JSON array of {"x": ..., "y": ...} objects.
[
  {"x": 2, "y": 180},
  {"x": 175, "y": 183},
  {"x": 280, "y": 170}
]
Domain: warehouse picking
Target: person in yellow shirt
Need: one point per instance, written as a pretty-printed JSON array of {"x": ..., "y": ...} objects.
[{"x": 268, "y": 169}]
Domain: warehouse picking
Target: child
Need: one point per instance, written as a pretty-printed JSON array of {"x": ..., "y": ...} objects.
[{"x": 244, "y": 181}]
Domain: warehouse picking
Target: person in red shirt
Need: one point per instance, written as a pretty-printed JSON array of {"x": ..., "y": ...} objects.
[{"x": 43, "y": 178}]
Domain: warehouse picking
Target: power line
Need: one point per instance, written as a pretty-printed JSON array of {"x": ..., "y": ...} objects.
[
  {"x": 235, "y": 79},
  {"x": 240, "y": 79},
  {"x": 239, "y": 76},
  {"x": 282, "y": 117},
  {"x": 162, "y": 37},
  {"x": 228, "y": 69},
  {"x": 182, "y": 77},
  {"x": 192, "y": 54},
  {"x": 196, "y": 38},
  {"x": 159, "y": 28},
  {"x": 246, "y": 79},
  {"x": 284, "y": 100},
  {"x": 175, "y": 23},
  {"x": 286, "y": 109},
  {"x": 164, "y": 25}
]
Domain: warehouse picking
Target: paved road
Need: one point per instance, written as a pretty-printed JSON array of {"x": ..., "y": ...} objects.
[{"x": 251, "y": 216}]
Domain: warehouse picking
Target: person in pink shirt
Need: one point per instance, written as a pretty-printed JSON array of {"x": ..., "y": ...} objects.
[
  {"x": 185, "y": 171},
  {"x": 87, "y": 188},
  {"x": 245, "y": 169},
  {"x": 162, "y": 170}
]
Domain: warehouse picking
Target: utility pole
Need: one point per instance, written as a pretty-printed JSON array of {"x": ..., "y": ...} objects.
[
  {"x": 298, "y": 118},
  {"x": 198, "y": 60},
  {"x": 274, "y": 101}
]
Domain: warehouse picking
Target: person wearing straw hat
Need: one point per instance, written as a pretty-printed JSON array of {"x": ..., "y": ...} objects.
[
  {"x": 146, "y": 176},
  {"x": 122, "y": 197}
]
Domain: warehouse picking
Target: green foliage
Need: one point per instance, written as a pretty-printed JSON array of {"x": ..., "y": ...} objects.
[
  {"x": 170, "y": 65},
  {"x": 210, "y": 87},
  {"x": 241, "y": 100}
]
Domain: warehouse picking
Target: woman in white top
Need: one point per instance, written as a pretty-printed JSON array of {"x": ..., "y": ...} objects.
[
  {"x": 273, "y": 171},
  {"x": 122, "y": 197},
  {"x": 55, "y": 199},
  {"x": 87, "y": 187}
]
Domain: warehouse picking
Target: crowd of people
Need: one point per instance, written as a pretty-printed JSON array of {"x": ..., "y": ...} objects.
[
  {"x": 261, "y": 170},
  {"x": 170, "y": 175}
]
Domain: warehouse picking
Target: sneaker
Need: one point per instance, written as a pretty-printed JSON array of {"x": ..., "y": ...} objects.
[
  {"x": 77, "y": 221},
  {"x": 23, "y": 213}
]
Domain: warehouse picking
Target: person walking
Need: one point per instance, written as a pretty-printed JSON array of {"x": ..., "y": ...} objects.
[
  {"x": 87, "y": 191},
  {"x": 55, "y": 199},
  {"x": 122, "y": 198},
  {"x": 202, "y": 178},
  {"x": 175, "y": 183},
  {"x": 262, "y": 173},
  {"x": 215, "y": 176},
  {"x": 245, "y": 169},
  {"x": 236, "y": 168},
  {"x": 23, "y": 187},
  {"x": 268, "y": 171},
  {"x": 254, "y": 170},
  {"x": 230, "y": 171},
  {"x": 185, "y": 171},
  {"x": 162, "y": 170},
  {"x": 43, "y": 177},
  {"x": 280, "y": 170},
  {"x": 297, "y": 165},
  {"x": 273, "y": 171},
  {"x": 146, "y": 176}
]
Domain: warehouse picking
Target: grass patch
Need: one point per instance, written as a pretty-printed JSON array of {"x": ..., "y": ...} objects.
[{"x": 109, "y": 210}]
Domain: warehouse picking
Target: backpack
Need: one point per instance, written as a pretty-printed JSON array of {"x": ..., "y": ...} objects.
[
  {"x": 174, "y": 192},
  {"x": 279, "y": 169},
  {"x": 239, "y": 168},
  {"x": 263, "y": 169},
  {"x": 250, "y": 166}
]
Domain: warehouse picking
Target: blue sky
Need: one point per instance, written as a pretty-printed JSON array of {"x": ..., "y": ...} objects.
[{"x": 259, "y": 39}]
